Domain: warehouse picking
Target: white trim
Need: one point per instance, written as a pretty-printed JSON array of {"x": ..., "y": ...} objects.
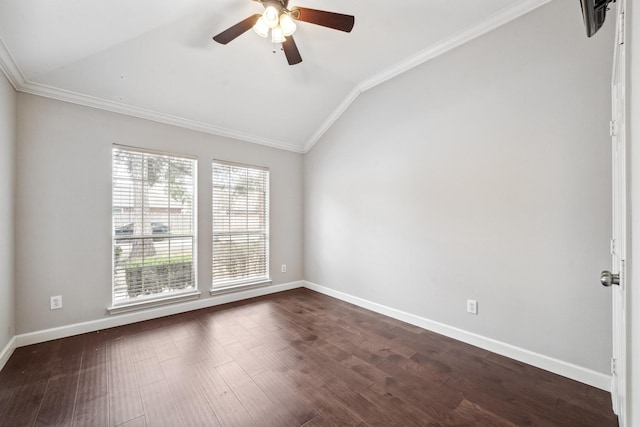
[
  {"x": 453, "y": 42},
  {"x": 241, "y": 165},
  {"x": 569, "y": 370},
  {"x": 9, "y": 66},
  {"x": 239, "y": 287},
  {"x": 7, "y": 351},
  {"x": 142, "y": 150},
  {"x": 152, "y": 313},
  {"x": 329, "y": 121},
  {"x": 423, "y": 56},
  {"x": 154, "y": 302},
  {"x": 143, "y": 113},
  {"x": 11, "y": 69}
]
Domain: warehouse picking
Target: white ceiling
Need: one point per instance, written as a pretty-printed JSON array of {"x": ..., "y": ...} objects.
[{"x": 156, "y": 58}]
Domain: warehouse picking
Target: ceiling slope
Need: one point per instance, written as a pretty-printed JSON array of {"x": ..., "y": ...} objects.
[{"x": 155, "y": 59}]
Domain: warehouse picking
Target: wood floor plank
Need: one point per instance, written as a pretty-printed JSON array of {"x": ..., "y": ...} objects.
[
  {"x": 476, "y": 414},
  {"x": 216, "y": 352},
  {"x": 494, "y": 397},
  {"x": 93, "y": 383},
  {"x": 254, "y": 400},
  {"x": 283, "y": 392},
  {"x": 94, "y": 378},
  {"x": 330, "y": 408},
  {"x": 276, "y": 355},
  {"x": 141, "y": 348},
  {"x": 166, "y": 349},
  {"x": 56, "y": 408},
  {"x": 148, "y": 371},
  {"x": 124, "y": 394},
  {"x": 191, "y": 404},
  {"x": 22, "y": 408},
  {"x": 14, "y": 373},
  {"x": 386, "y": 392},
  {"x": 136, "y": 422},
  {"x": 296, "y": 358},
  {"x": 45, "y": 359},
  {"x": 225, "y": 404},
  {"x": 358, "y": 404},
  {"x": 247, "y": 361},
  {"x": 159, "y": 406},
  {"x": 5, "y": 397},
  {"x": 92, "y": 413}
]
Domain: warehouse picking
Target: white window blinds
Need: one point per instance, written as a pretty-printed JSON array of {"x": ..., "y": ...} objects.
[
  {"x": 154, "y": 236},
  {"x": 240, "y": 224}
]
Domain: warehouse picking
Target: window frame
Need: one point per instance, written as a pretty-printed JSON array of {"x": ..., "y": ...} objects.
[
  {"x": 122, "y": 305},
  {"x": 251, "y": 281}
]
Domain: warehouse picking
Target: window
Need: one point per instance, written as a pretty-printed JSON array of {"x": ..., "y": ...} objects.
[
  {"x": 240, "y": 225},
  {"x": 154, "y": 238}
]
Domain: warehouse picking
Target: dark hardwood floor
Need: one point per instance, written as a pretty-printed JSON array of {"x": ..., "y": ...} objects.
[{"x": 290, "y": 359}]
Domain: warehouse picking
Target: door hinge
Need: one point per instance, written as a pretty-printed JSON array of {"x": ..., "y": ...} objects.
[
  {"x": 621, "y": 28},
  {"x": 612, "y": 248},
  {"x": 612, "y": 128},
  {"x": 614, "y": 370}
]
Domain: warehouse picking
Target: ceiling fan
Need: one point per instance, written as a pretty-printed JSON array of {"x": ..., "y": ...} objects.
[{"x": 279, "y": 19}]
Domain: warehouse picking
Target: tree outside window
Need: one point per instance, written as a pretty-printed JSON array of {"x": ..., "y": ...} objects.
[{"x": 153, "y": 224}]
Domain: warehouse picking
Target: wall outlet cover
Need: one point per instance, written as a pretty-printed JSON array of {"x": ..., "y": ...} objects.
[
  {"x": 56, "y": 302},
  {"x": 472, "y": 306}
]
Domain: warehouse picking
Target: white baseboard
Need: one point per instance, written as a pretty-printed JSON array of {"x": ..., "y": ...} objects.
[
  {"x": 569, "y": 370},
  {"x": 142, "y": 315},
  {"x": 7, "y": 351}
]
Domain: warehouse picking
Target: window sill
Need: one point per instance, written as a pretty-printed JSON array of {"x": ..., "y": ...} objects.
[
  {"x": 237, "y": 288},
  {"x": 141, "y": 305}
]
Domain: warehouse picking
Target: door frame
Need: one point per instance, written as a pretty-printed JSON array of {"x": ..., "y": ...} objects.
[{"x": 619, "y": 150}]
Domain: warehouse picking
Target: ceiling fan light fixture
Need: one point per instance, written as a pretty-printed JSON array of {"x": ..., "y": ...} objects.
[
  {"x": 270, "y": 16},
  {"x": 261, "y": 28},
  {"x": 287, "y": 25},
  {"x": 280, "y": 20},
  {"x": 276, "y": 35}
]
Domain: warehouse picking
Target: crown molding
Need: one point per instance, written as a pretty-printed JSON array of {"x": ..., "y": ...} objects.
[
  {"x": 16, "y": 77},
  {"x": 14, "y": 74},
  {"x": 495, "y": 21},
  {"x": 143, "y": 113},
  {"x": 425, "y": 55},
  {"x": 335, "y": 115},
  {"x": 10, "y": 67}
]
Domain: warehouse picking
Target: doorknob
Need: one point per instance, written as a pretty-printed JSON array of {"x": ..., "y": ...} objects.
[{"x": 607, "y": 278}]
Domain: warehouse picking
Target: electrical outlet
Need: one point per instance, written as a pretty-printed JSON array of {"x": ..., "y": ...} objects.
[
  {"x": 284, "y": 268},
  {"x": 56, "y": 302},
  {"x": 472, "y": 306}
]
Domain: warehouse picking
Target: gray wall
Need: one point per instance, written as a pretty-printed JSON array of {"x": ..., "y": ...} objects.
[
  {"x": 7, "y": 186},
  {"x": 63, "y": 207},
  {"x": 482, "y": 174}
]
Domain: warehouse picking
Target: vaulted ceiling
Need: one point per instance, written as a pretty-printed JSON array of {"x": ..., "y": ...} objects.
[{"x": 156, "y": 58}]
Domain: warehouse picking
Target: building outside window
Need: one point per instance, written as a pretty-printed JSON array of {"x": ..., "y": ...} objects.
[
  {"x": 240, "y": 225},
  {"x": 154, "y": 225}
]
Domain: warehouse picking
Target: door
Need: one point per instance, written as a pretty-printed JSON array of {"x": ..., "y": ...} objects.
[{"x": 617, "y": 280}]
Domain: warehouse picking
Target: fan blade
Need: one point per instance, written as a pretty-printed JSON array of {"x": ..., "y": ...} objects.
[
  {"x": 337, "y": 21},
  {"x": 236, "y": 30},
  {"x": 291, "y": 51}
]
